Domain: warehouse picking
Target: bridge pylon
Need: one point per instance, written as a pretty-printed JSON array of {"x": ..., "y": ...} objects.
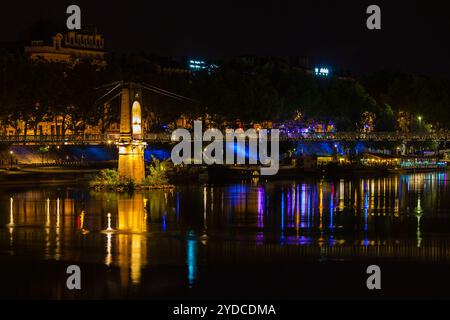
[{"x": 131, "y": 142}]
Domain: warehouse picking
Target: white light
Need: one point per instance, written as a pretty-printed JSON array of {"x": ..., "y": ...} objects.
[
  {"x": 109, "y": 228},
  {"x": 322, "y": 71}
]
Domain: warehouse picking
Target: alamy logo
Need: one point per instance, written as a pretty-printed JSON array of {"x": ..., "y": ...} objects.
[
  {"x": 374, "y": 20},
  {"x": 235, "y": 142},
  {"x": 374, "y": 280},
  {"x": 74, "y": 280},
  {"x": 74, "y": 20}
]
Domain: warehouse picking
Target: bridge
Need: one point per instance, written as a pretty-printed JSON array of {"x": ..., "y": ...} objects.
[
  {"x": 113, "y": 138},
  {"x": 132, "y": 138}
]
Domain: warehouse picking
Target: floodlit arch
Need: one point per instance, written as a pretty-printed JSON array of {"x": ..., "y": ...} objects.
[{"x": 136, "y": 117}]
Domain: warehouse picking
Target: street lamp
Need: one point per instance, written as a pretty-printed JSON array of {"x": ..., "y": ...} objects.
[{"x": 11, "y": 153}]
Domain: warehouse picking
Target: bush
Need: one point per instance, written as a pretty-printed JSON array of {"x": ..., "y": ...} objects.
[
  {"x": 157, "y": 173},
  {"x": 128, "y": 184},
  {"x": 109, "y": 178},
  {"x": 106, "y": 178}
]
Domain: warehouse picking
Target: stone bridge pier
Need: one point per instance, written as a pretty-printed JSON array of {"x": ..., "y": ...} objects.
[{"x": 131, "y": 144}]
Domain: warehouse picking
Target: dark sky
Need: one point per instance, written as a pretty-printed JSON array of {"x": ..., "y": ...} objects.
[{"x": 414, "y": 36}]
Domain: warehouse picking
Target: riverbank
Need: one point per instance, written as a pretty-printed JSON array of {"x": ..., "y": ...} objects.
[
  {"x": 245, "y": 172},
  {"x": 74, "y": 174},
  {"x": 45, "y": 175}
]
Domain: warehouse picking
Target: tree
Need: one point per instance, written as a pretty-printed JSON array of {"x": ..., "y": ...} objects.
[{"x": 386, "y": 121}]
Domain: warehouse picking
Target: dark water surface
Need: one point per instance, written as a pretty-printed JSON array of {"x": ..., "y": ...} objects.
[{"x": 281, "y": 239}]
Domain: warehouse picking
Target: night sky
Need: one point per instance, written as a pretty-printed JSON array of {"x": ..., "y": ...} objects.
[{"x": 414, "y": 36}]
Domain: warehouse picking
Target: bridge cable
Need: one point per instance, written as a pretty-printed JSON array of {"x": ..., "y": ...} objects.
[
  {"x": 166, "y": 92},
  {"x": 106, "y": 86},
  {"x": 109, "y": 92}
]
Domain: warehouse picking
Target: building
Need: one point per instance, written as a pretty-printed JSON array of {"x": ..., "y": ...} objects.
[
  {"x": 316, "y": 161},
  {"x": 43, "y": 42},
  {"x": 50, "y": 42},
  {"x": 196, "y": 65},
  {"x": 55, "y": 126},
  {"x": 69, "y": 47},
  {"x": 379, "y": 160}
]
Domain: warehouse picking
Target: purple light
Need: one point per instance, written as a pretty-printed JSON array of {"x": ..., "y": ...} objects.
[{"x": 260, "y": 207}]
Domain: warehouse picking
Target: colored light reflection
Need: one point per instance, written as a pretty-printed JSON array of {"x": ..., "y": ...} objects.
[
  {"x": 192, "y": 252},
  {"x": 304, "y": 211},
  {"x": 261, "y": 207},
  {"x": 247, "y": 212},
  {"x": 282, "y": 211}
]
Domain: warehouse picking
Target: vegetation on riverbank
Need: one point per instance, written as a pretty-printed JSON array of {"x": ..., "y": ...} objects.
[{"x": 109, "y": 180}]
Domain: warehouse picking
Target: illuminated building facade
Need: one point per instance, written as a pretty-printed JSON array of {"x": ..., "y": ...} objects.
[
  {"x": 195, "y": 65},
  {"x": 69, "y": 47},
  {"x": 321, "y": 71},
  {"x": 54, "y": 126}
]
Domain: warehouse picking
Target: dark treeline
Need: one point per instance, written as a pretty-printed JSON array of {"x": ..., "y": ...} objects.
[
  {"x": 416, "y": 95},
  {"x": 33, "y": 91}
]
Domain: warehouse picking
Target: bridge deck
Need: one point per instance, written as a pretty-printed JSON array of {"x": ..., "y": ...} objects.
[{"x": 166, "y": 137}]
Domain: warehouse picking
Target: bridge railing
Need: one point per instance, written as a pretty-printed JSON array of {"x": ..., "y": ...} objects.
[
  {"x": 72, "y": 138},
  {"x": 111, "y": 138},
  {"x": 372, "y": 136}
]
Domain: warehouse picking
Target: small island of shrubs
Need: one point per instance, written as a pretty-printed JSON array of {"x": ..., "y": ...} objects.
[{"x": 109, "y": 180}]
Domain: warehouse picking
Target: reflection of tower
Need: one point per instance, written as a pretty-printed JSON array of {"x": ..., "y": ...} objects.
[
  {"x": 131, "y": 213},
  {"x": 132, "y": 245},
  {"x": 11, "y": 220},
  {"x": 131, "y": 144},
  {"x": 418, "y": 213}
]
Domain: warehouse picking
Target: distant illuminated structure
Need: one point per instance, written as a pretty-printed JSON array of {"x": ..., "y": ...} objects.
[
  {"x": 196, "y": 65},
  {"x": 321, "y": 72}
]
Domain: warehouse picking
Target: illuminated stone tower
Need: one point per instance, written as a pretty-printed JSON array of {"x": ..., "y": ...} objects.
[{"x": 131, "y": 143}]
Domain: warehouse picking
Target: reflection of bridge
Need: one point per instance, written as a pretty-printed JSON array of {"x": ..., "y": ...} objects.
[{"x": 109, "y": 138}]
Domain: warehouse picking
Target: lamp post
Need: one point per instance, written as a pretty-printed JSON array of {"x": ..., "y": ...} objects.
[
  {"x": 420, "y": 122},
  {"x": 11, "y": 153}
]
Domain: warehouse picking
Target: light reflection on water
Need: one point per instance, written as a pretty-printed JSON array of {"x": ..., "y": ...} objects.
[{"x": 396, "y": 217}]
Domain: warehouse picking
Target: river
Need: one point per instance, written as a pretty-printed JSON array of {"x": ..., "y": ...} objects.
[{"x": 307, "y": 238}]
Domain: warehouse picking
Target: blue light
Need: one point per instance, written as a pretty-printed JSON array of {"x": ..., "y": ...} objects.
[
  {"x": 177, "y": 210},
  {"x": 164, "y": 222},
  {"x": 192, "y": 250},
  {"x": 282, "y": 211},
  {"x": 282, "y": 238}
]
